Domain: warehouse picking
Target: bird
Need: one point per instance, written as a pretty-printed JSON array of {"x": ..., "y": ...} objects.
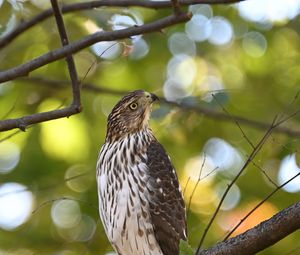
[{"x": 141, "y": 204}]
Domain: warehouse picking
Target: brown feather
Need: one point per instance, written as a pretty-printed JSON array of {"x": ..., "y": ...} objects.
[{"x": 167, "y": 206}]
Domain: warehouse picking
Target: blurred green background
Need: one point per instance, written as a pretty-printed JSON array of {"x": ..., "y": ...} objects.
[{"x": 247, "y": 55}]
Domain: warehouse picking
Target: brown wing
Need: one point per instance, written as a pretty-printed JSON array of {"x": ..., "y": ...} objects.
[{"x": 167, "y": 208}]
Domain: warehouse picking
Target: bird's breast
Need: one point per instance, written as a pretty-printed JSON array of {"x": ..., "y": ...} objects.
[{"x": 124, "y": 198}]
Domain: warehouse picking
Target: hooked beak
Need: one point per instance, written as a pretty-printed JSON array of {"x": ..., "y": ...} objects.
[
  {"x": 154, "y": 97},
  {"x": 151, "y": 97}
]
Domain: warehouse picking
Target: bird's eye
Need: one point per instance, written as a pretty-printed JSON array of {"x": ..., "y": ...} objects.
[{"x": 133, "y": 106}]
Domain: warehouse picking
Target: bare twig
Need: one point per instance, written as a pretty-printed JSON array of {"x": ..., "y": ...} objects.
[
  {"x": 210, "y": 173},
  {"x": 60, "y": 199},
  {"x": 262, "y": 236},
  {"x": 265, "y": 174},
  {"x": 25, "y": 25},
  {"x": 235, "y": 121},
  {"x": 25, "y": 69},
  {"x": 288, "y": 117},
  {"x": 250, "y": 158},
  {"x": 196, "y": 185},
  {"x": 287, "y": 108},
  {"x": 186, "y": 185},
  {"x": 288, "y": 148},
  {"x": 259, "y": 204}
]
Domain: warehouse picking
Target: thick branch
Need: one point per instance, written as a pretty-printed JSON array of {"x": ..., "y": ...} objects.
[
  {"x": 54, "y": 55},
  {"x": 262, "y": 236},
  {"x": 94, "y": 4}
]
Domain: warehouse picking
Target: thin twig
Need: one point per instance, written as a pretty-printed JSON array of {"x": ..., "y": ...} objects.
[
  {"x": 265, "y": 174},
  {"x": 187, "y": 183},
  {"x": 285, "y": 111},
  {"x": 62, "y": 198},
  {"x": 289, "y": 117},
  {"x": 196, "y": 185},
  {"x": 250, "y": 158},
  {"x": 293, "y": 150},
  {"x": 235, "y": 121},
  {"x": 210, "y": 173},
  {"x": 96, "y": 61}
]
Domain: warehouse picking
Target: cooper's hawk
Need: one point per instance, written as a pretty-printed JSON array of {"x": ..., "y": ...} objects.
[{"x": 140, "y": 200}]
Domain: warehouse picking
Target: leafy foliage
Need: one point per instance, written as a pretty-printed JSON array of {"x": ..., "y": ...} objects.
[{"x": 185, "y": 248}]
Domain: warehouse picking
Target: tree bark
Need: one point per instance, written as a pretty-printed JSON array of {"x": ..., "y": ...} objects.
[{"x": 262, "y": 236}]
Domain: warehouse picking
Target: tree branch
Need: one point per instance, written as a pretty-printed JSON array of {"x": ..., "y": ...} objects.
[
  {"x": 210, "y": 113},
  {"x": 70, "y": 61},
  {"x": 220, "y": 116},
  {"x": 23, "y": 122},
  {"x": 25, "y": 69},
  {"x": 176, "y": 6},
  {"x": 22, "y": 27},
  {"x": 262, "y": 236}
]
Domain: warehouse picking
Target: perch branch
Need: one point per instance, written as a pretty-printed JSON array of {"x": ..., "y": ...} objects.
[
  {"x": 262, "y": 236},
  {"x": 22, "y": 27}
]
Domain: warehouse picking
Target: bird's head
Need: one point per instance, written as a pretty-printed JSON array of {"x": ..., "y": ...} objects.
[{"x": 130, "y": 114}]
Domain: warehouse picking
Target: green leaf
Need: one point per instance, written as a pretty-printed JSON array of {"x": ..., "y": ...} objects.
[{"x": 185, "y": 248}]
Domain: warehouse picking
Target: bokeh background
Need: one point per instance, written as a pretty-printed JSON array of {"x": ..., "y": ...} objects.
[{"x": 246, "y": 55}]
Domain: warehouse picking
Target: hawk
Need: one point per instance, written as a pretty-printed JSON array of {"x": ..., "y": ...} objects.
[{"x": 140, "y": 201}]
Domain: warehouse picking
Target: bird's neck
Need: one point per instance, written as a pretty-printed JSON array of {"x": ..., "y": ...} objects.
[{"x": 145, "y": 133}]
